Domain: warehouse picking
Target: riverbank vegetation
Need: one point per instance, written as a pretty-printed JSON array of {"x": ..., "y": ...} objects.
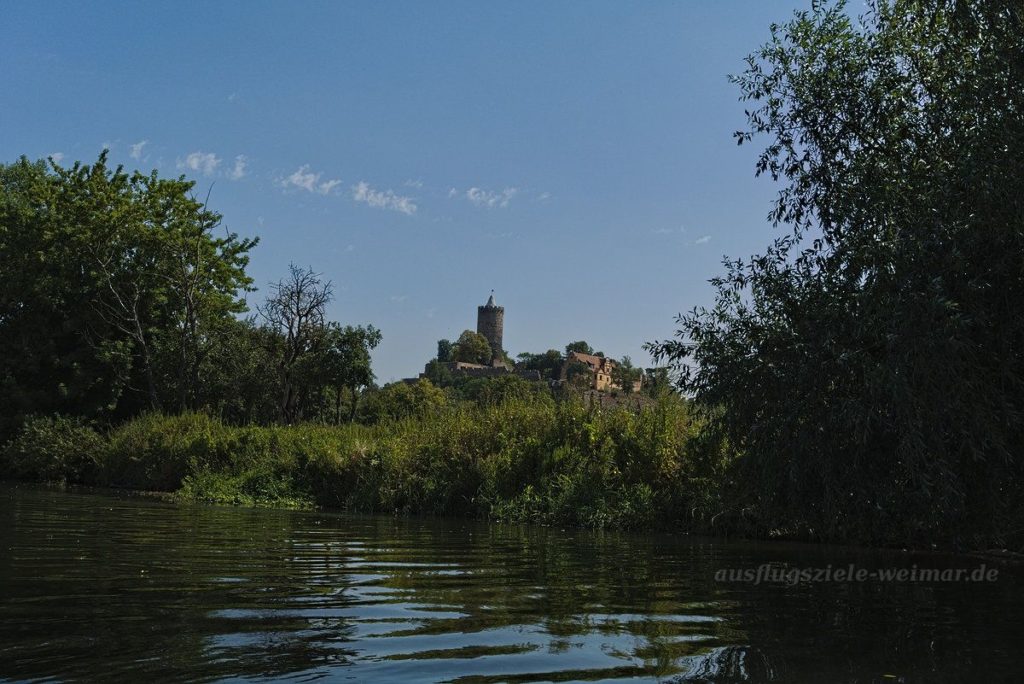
[
  {"x": 860, "y": 381},
  {"x": 518, "y": 460}
]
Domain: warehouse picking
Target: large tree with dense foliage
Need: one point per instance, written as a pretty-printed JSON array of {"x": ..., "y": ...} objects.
[
  {"x": 579, "y": 346},
  {"x": 47, "y": 362},
  {"x": 113, "y": 284},
  {"x": 346, "y": 363},
  {"x": 472, "y": 347},
  {"x": 867, "y": 368},
  {"x": 122, "y": 294}
]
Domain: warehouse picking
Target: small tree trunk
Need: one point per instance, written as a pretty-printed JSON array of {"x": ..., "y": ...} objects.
[
  {"x": 147, "y": 367},
  {"x": 355, "y": 402}
]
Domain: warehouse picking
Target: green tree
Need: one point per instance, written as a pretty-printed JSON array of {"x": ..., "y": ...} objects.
[
  {"x": 239, "y": 373},
  {"x": 444, "y": 350},
  {"x": 111, "y": 282},
  {"x": 46, "y": 364},
  {"x": 579, "y": 346},
  {"x": 438, "y": 374},
  {"x": 624, "y": 374},
  {"x": 867, "y": 366},
  {"x": 401, "y": 400},
  {"x": 548, "y": 364},
  {"x": 347, "y": 363},
  {"x": 203, "y": 279},
  {"x": 657, "y": 381},
  {"x": 579, "y": 375},
  {"x": 472, "y": 348}
]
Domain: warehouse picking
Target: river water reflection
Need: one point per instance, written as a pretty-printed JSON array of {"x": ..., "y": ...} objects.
[{"x": 118, "y": 588}]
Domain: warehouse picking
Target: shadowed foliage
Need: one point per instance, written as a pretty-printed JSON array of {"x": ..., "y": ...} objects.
[{"x": 866, "y": 370}]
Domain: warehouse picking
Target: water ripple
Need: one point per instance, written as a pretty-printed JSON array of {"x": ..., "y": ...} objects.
[{"x": 116, "y": 588}]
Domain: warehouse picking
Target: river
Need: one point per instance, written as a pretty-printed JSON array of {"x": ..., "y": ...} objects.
[{"x": 105, "y": 587}]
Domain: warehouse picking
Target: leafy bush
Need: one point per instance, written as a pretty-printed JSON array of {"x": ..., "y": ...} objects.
[
  {"x": 157, "y": 452},
  {"x": 253, "y": 488},
  {"x": 53, "y": 449},
  {"x": 403, "y": 400}
]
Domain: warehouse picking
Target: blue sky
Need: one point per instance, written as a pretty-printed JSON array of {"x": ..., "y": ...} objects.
[{"x": 576, "y": 157}]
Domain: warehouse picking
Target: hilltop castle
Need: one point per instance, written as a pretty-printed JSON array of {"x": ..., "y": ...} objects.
[{"x": 490, "y": 324}]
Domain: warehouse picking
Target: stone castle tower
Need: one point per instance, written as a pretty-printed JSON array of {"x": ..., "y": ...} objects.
[{"x": 490, "y": 322}]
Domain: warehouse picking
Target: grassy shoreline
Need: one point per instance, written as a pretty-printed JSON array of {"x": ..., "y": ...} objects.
[
  {"x": 533, "y": 460},
  {"x": 517, "y": 461}
]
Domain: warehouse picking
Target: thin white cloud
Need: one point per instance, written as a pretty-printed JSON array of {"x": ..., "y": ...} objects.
[
  {"x": 489, "y": 198},
  {"x": 383, "y": 199},
  {"x": 136, "y": 149},
  {"x": 57, "y": 157},
  {"x": 201, "y": 162},
  {"x": 107, "y": 145},
  {"x": 544, "y": 197},
  {"x": 452, "y": 192},
  {"x": 411, "y": 183},
  {"x": 304, "y": 179},
  {"x": 238, "y": 171},
  {"x": 702, "y": 240},
  {"x": 232, "y": 97},
  {"x": 398, "y": 299}
]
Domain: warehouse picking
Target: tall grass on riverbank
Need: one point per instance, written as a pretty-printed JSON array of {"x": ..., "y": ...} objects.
[
  {"x": 537, "y": 461},
  {"x": 520, "y": 460}
]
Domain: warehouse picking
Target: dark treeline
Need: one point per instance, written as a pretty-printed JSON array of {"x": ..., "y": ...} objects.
[{"x": 123, "y": 294}]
